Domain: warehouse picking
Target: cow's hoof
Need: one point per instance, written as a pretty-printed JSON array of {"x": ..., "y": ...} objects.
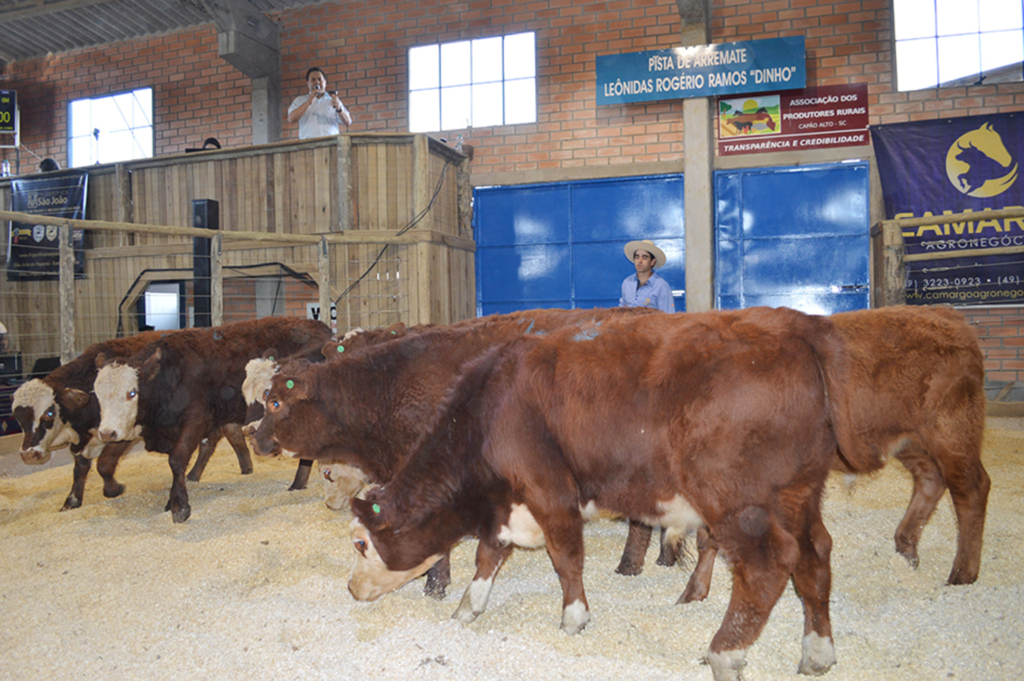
[
  {"x": 629, "y": 569},
  {"x": 465, "y": 614},
  {"x": 113, "y": 491},
  {"x": 247, "y": 470},
  {"x": 296, "y": 486},
  {"x": 72, "y": 502},
  {"x": 726, "y": 665},
  {"x": 434, "y": 589},
  {"x": 819, "y": 655},
  {"x": 181, "y": 515},
  {"x": 909, "y": 552},
  {"x": 575, "y": 618},
  {"x": 693, "y": 594},
  {"x": 960, "y": 576},
  {"x": 668, "y": 558}
]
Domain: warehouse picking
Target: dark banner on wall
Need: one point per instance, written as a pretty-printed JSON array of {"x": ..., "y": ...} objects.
[
  {"x": 950, "y": 166},
  {"x": 34, "y": 250}
]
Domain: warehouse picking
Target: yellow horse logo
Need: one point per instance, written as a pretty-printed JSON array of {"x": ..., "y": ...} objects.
[{"x": 978, "y": 163}]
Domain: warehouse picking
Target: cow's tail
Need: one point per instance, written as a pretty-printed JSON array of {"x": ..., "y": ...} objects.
[{"x": 858, "y": 454}]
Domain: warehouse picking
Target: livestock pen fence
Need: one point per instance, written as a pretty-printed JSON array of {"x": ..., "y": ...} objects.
[{"x": 375, "y": 227}]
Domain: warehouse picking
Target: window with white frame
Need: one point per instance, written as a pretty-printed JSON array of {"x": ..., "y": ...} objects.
[
  {"x": 945, "y": 43},
  {"x": 473, "y": 83},
  {"x": 111, "y": 129}
]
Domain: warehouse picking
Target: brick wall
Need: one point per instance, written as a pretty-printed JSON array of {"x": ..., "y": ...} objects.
[
  {"x": 1001, "y": 336},
  {"x": 196, "y": 94},
  {"x": 363, "y": 47}
]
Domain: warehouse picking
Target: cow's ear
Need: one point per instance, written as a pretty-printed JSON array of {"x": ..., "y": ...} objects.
[
  {"x": 270, "y": 353},
  {"x": 101, "y": 360},
  {"x": 292, "y": 388},
  {"x": 74, "y": 398},
  {"x": 370, "y": 513},
  {"x": 332, "y": 349},
  {"x": 151, "y": 367},
  {"x": 397, "y": 329}
]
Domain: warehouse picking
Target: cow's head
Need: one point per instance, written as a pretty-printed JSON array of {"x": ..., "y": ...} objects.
[
  {"x": 258, "y": 375},
  {"x": 293, "y": 424},
  {"x": 117, "y": 387},
  {"x": 43, "y": 420},
  {"x": 385, "y": 558},
  {"x": 341, "y": 483}
]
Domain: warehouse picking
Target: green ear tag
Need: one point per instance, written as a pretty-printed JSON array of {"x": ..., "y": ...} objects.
[
  {"x": 341, "y": 348},
  {"x": 271, "y": 359},
  {"x": 376, "y": 508},
  {"x": 290, "y": 384},
  {"x": 394, "y": 333}
]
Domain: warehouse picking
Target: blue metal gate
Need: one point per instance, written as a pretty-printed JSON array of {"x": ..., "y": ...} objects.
[
  {"x": 560, "y": 245},
  {"x": 795, "y": 237}
]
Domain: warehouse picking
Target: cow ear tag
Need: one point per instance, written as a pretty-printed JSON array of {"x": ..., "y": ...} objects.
[
  {"x": 341, "y": 348},
  {"x": 290, "y": 384},
  {"x": 376, "y": 508}
]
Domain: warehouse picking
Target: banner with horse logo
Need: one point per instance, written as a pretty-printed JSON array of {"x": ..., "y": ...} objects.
[{"x": 957, "y": 165}]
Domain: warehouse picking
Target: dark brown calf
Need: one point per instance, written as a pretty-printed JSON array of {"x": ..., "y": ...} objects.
[
  {"x": 60, "y": 410},
  {"x": 916, "y": 389},
  {"x": 181, "y": 387},
  {"x": 718, "y": 419}
]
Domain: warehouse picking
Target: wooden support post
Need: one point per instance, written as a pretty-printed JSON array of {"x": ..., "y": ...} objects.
[
  {"x": 123, "y": 201},
  {"x": 67, "y": 294},
  {"x": 323, "y": 266},
  {"x": 343, "y": 221},
  {"x": 217, "y": 280},
  {"x": 894, "y": 270}
]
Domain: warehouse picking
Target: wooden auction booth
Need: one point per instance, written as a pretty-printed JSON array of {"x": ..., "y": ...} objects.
[{"x": 383, "y": 219}]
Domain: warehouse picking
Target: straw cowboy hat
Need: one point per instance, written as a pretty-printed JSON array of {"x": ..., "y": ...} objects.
[
  {"x": 645, "y": 245},
  {"x": 3, "y": 329}
]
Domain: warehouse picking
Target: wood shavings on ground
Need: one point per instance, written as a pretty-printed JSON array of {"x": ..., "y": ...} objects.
[{"x": 254, "y": 586}]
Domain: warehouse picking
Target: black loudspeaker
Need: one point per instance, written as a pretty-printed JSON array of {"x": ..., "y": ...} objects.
[{"x": 205, "y": 215}]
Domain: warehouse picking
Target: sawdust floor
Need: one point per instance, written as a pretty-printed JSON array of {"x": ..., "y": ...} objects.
[{"x": 254, "y": 586}]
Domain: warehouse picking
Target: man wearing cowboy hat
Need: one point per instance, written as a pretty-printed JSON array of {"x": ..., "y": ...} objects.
[{"x": 646, "y": 288}]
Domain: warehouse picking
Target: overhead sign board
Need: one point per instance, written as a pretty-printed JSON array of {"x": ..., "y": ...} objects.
[
  {"x": 812, "y": 118},
  {"x": 8, "y": 110},
  {"x": 702, "y": 71}
]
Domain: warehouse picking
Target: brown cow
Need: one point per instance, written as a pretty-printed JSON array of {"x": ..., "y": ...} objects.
[
  {"x": 916, "y": 382},
  {"x": 60, "y": 410},
  {"x": 179, "y": 388},
  {"x": 368, "y": 413},
  {"x": 720, "y": 418},
  {"x": 258, "y": 373}
]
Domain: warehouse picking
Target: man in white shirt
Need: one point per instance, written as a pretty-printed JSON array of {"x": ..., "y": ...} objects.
[{"x": 319, "y": 112}]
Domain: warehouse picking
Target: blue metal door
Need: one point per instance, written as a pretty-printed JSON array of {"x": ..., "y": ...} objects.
[
  {"x": 560, "y": 244},
  {"x": 796, "y": 237}
]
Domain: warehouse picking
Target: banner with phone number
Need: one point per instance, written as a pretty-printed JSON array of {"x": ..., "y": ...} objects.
[{"x": 957, "y": 165}]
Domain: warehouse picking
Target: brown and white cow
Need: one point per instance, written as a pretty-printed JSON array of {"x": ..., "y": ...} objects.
[
  {"x": 181, "y": 387},
  {"x": 367, "y": 414},
  {"x": 258, "y": 373},
  {"x": 59, "y": 410},
  {"x": 916, "y": 384},
  {"x": 723, "y": 419}
]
